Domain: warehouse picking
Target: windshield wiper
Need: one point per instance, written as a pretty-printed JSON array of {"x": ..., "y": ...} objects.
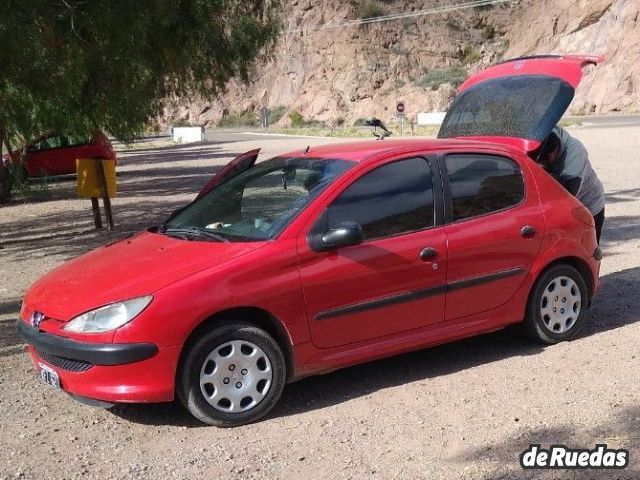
[{"x": 196, "y": 232}]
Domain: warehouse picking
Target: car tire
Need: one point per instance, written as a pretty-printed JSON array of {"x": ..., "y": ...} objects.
[
  {"x": 557, "y": 305},
  {"x": 233, "y": 375}
]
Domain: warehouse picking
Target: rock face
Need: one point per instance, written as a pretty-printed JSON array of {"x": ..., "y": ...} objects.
[
  {"x": 605, "y": 27},
  {"x": 342, "y": 74}
]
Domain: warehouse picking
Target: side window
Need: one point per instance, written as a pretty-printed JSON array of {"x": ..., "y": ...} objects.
[
  {"x": 393, "y": 199},
  {"x": 482, "y": 184},
  {"x": 75, "y": 141},
  {"x": 48, "y": 143}
]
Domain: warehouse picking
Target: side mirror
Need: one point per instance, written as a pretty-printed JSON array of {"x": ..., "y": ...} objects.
[{"x": 344, "y": 235}]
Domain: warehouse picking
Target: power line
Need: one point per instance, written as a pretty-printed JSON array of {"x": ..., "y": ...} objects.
[{"x": 398, "y": 16}]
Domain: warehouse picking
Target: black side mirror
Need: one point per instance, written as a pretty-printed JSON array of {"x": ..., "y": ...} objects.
[{"x": 344, "y": 235}]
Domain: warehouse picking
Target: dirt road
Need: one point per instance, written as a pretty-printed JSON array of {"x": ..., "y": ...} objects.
[{"x": 465, "y": 410}]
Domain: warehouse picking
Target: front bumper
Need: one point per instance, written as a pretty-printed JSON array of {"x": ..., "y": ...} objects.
[
  {"x": 93, "y": 353},
  {"x": 114, "y": 373}
]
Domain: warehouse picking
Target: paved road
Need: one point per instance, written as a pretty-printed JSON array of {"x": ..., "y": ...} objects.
[
  {"x": 594, "y": 121},
  {"x": 241, "y": 135},
  {"x": 610, "y": 121}
]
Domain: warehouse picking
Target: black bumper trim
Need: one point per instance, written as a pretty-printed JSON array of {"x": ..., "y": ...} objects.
[{"x": 95, "y": 353}]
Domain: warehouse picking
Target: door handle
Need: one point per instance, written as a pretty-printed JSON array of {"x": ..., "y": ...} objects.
[
  {"x": 527, "y": 231},
  {"x": 428, "y": 253}
]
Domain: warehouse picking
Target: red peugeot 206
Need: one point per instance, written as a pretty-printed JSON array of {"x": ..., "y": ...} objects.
[
  {"x": 332, "y": 256},
  {"x": 56, "y": 154}
]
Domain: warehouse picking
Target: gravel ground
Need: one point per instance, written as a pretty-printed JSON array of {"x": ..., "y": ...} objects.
[{"x": 464, "y": 410}]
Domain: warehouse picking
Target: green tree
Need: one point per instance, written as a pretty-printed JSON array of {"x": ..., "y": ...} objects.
[{"x": 73, "y": 66}]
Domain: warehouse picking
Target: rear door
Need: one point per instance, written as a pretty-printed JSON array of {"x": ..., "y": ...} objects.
[
  {"x": 57, "y": 154},
  {"x": 395, "y": 280},
  {"x": 43, "y": 157},
  {"x": 522, "y": 98},
  {"x": 494, "y": 230}
]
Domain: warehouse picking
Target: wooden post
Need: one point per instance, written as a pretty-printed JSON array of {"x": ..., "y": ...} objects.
[
  {"x": 105, "y": 193},
  {"x": 97, "y": 218}
]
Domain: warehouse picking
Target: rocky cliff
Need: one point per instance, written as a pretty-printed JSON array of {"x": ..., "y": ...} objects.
[
  {"x": 341, "y": 74},
  {"x": 606, "y": 27}
]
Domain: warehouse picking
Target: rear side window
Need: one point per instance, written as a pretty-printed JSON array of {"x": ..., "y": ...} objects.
[
  {"x": 482, "y": 184},
  {"x": 74, "y": 141},
  {"x": 390, "y": 200},
  {"x": 48, "y": 143},
  {"x": 60, "y": 141}
]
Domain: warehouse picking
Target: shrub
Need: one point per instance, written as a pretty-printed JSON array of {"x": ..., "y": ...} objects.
[
  {"x": 298, "y": 121},
  {"x": 315, "y": 124},
  {"x": 469, "y": 55},
  {"x": 296, "y": 118},
  {"x": 409, "y": 23},
  {"x": 20, "y": 184},
  {"x": 246, "y": 119},
  {"x": 370, "y": 9},
  {"x": 182, "y": 122},
  {"x": 488, "y": 32},
  {"x": 452, "y": 24},
  {"x": 434, "y": 78},
  {"x": 276, "y": 114}
]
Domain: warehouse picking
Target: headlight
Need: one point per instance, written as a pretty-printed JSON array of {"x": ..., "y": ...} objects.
[{"x": 108, "y": 317}]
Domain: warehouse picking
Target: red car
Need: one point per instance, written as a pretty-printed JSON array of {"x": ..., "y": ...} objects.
[
  {"x": 328, "y": 257},
  {"x": 57, "y": 154}
]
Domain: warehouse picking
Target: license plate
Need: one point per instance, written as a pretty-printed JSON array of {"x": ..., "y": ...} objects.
[{"x": 48, "y": 375}]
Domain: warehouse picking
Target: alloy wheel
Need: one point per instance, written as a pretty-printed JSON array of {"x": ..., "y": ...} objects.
[
  {"x": 561, "y": 304},
  {"x": 236, "y": 376}
]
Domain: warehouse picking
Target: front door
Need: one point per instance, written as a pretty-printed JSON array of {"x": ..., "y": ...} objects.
[{"x": 395, "y": 280}]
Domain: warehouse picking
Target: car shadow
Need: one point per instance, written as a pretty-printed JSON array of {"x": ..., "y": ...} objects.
[
  {"x": 71, "y": 237},
  {"x": 503, "y": 458},
  {"x": 171, "y": 413},
  {"x": 620, "y": 229},
  {"x": 615, "y": 306},
  {"x": 9, "y": 311},
  {"x": 622, "y": 195}
]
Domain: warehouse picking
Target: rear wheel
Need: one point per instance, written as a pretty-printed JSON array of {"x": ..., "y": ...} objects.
[
  {"x": 231, "y": 376},
  {"x": 557, "y": 305}
]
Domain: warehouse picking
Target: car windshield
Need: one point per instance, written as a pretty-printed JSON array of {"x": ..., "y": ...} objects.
[{"x": 258, "y": 203}]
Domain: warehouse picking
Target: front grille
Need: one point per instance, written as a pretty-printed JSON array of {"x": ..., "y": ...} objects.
[{"x": 65, "y": 363}]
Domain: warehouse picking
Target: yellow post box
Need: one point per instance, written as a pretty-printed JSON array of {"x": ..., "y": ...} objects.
[
  {"x": 97, "y": 178},
  {"x": 89, "y": 177}
]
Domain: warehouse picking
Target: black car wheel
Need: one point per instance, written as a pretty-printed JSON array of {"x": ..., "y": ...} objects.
[
  {"x": 231, "y": 376},
  {"x": 557, "y": 305}
]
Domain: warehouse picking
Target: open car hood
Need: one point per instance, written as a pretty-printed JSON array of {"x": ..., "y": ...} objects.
[
  {"x": 242, "y": 162},
  {"x": 521, "y": 99}
]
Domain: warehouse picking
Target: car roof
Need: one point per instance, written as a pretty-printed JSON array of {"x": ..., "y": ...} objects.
[{"x": 369, "y": 149}]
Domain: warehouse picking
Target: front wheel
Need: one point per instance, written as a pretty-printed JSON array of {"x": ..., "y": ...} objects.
[
  {"x": 557, "y": 305},
  {"x": 231, "y": 376}
]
